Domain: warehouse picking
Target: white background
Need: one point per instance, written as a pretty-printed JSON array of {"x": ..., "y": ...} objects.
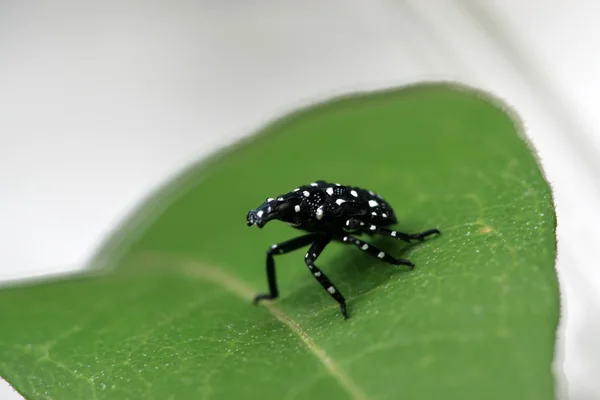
[{"x": 101, "y": 101}]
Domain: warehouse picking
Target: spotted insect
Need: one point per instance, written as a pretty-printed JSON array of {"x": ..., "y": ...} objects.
[{"x": 329, "y": 212}]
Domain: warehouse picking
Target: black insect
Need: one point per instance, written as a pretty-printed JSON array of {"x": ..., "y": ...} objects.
[{"x": 329, "y": 212}]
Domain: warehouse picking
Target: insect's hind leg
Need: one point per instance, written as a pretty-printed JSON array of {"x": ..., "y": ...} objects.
[
  {"x": 281, "y": 248},
  {"x": 407, "y": 237},
  {"x": 314, "y": 252},
  {"x": 375, "y": 252}
]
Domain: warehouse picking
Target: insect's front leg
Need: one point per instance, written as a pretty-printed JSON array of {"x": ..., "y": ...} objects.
[
  {"x": 314, "y": 252},
  {"x": 281, "y": 248}
]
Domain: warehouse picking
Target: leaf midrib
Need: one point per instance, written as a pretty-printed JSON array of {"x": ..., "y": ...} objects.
[{"x": 236, "y": 286}]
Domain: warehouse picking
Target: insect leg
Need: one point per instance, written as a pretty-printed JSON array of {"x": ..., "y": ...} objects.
[
  {"x": 375, "y": 252},
  {"x": 281, "y": 248},
  {"x": 407, "y": 237},
  {"x": 314, "y": 252}
]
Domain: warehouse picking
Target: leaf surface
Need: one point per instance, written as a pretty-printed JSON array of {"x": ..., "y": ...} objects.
[{"x": 172, "y": 317}]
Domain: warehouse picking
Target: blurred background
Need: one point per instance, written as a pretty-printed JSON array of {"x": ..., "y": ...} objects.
[{"x": 100, "y": 102}]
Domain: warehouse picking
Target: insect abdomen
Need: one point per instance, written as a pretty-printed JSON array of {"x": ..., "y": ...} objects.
[{"x": 378, "y": 210}]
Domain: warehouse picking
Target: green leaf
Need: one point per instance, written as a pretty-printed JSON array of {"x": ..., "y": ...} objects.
[{"x": 172, "y": 317}]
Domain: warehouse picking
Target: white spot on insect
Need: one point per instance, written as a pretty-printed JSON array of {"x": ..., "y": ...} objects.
[
  {"x": 274, "y": 246},
  {"x": 365, "y": 246},
  {"x": 372, "y": 227},
  {"x": 318, "y": 274},
  {"x": 348, "y": 223},
  {"x": 373, "y": 203},
  {"x": 372, "y": 193},
  {"x": 373, "y": 213},
  {"x": 362, "y": 223},
  {"x": 260, "y": 213},
  {"x": 384, "y": 215},
  {"x": 381, "y": 254},
  {"x": 394, "y": 233},
  {"x": 337, "y": 184},
  {"x": 297, "y": 208},
  {"x": 353, "y": 193},
  {"x": 329, "y": 191},
  {"x": 270, "y": 199},
  {"x": 306, "y": 193},
  {"x": 345, "y": 238},
  {"x": 340, "y": 201},
  {"x": 295, "y": 190},
  {"x": 269, "y": 209},
  {"x": 314, "y": 184},
  {"x": 320, "y": 213},
  {"x": 280, "y": 198},
  {"x": 331, "y": 289}
]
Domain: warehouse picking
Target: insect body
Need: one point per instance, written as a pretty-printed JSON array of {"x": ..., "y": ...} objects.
[{"x": 327, "y": 212}]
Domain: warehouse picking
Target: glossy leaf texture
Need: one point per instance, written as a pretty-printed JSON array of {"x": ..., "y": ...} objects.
[{"x": 171, "y": 316}]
